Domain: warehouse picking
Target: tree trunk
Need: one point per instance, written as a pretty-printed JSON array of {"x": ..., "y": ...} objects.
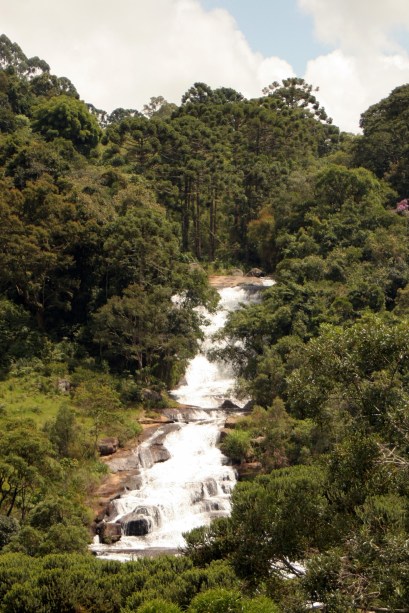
[
  {"x": 198, "y": 238},
  {"x": 186, "y": 216},
  {"x": 212, "y": 225}
]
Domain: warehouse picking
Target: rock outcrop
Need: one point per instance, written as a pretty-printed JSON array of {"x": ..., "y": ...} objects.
[
  {"x": 109, "y": 533},
  {"x": 256, "y": 272},
  {"x": 108, "y": 446},
  {"x": 136, "y": 524}
]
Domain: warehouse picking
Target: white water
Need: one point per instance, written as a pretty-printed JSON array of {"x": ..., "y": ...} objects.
[
  {"x": 194, "y": 485},
  {"x": 209, "y": 383}
]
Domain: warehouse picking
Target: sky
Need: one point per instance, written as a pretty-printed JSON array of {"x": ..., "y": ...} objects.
[{"x": 120, "y": 53}]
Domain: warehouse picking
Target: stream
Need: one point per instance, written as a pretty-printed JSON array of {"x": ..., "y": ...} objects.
[{"x": 190, "y": 482}]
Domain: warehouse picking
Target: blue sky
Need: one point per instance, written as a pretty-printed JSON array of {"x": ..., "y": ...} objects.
[
  {"x": 275, "y": 27},
  {"x": 127, "y": 51}
]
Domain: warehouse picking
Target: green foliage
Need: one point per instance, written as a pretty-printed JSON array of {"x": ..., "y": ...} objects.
[
  {"x": 225, "y": 601},
  {"x": 383, "y": 148},
  {"x": 66, "y": 117},
  {"x": 99, "y": 284},
  {"x": 288, "y": 507},
  {"x": 365, "y": 365},
  {"x": 99, "y": 402},
  {"x": 217, "y": 601},
  {"x": 158, "y": 606},
  {"x": 63, "y": 431},
  {"x": 237, "y": 445},
  {"x": 17, "y": 337},
  {"x": 8, "y": 528}
]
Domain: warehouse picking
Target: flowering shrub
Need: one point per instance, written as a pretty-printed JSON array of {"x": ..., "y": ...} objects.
[{"x": 402, "y": 206}]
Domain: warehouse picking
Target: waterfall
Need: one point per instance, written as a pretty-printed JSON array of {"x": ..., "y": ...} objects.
[{"x": 193, "y": 485}]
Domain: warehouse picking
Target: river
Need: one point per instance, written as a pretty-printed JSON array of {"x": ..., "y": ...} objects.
[{"x": 193, "y": 485}]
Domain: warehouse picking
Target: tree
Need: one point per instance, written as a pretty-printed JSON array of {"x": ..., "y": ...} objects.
[
  {"x": 17, "y": 336},
  {"x": 360, "y": 369},
  {"x": 296, "y": 93},
  {"x": 18, "y": 485},
  {"x": 383, "y": 146},
  {"x": 34, "y": 247},
  {"x": 278, "y": 518},
  {"x": 140, "y": 246},
  {"x": 9, "y": 526},
  {"x": 99, "y": 402},
  {"x": 146, "y": 332},
  {"x": 199, "y": 93},
  {"x": 159, "y": 107},
  {"x": 62, "y": 431},
  {"x": 64, "y": 116},
  {"x": 12, "y": 57}
]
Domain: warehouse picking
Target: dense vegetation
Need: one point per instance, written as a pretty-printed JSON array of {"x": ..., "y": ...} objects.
[{"x": 104, "y": 218}]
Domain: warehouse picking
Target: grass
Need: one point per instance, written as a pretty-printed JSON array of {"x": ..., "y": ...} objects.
[
  {"x": 30, "y": 397},
  {"x": 35, "y": 396}
]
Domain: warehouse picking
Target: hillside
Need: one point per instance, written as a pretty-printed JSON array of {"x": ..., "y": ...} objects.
[{"x": 104, "y": 218}]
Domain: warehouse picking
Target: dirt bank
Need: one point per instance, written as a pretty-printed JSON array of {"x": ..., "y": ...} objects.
[{"x": 221, "y": 281}]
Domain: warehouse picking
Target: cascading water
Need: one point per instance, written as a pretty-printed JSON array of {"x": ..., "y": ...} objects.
[
  {"x": 209, "y": 383},
  {"x": 194, "y": 484}
]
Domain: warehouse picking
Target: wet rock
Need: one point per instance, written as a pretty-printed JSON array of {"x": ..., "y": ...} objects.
[
  {"x": 197, "y": 494},
  {"x": 136, "y": 524},
  {"x": 133, "y": 483},
  {"x": 125, "y": 463},
  {"x": 210, "y": 486},
  {"x": 109, "y": 533},
  {"x": 229, "y": 404},
  {"x": 159, "y": 453},
  {"x": 108, "y": 446},
  {"x": 181, "y": 414},
  {"x": 155, "y": 420},
  {"x": 248, "y": 406},
  {"x": 213, "y": 505}
]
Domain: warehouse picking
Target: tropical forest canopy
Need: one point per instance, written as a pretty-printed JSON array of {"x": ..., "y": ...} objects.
[{"x": 104, "y": 219}]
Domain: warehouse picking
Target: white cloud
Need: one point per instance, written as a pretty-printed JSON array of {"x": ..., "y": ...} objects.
[
  {"x": 122, "y": 53},
  {"x": 368, "y": 63}
]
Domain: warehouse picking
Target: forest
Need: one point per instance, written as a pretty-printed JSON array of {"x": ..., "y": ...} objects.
[{"x": 104, "y": 218}]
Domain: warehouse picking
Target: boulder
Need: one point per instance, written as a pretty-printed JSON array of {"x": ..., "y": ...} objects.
[
  {"x": 63, "y": 386},
  {"x": 152, "y": 397},
  {"x": 210, "y": 487},
  {"x": 136, "y": 524},
  {"x": 248, "y": 407},
  {"x": 159, "y": 453},
  {"x": 248, "y": 470},
  {"x": 109, "y": 533},
  {"x": 237, "y": 272},
  {"x": 256, "y": 272},
  {"x": 134, "y": 482},
  {"x": 229, "y": 404},
  {"x": 230, "y": 423},
  {"x": 223, "y": 435},
  {"x": 108, "y": 446}
]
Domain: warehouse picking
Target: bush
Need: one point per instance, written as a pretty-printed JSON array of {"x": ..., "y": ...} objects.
[
  {"x": 236, "y": 445},
  {"x": 159, "y": 606},
  {"x": 217, "y": 601}
]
